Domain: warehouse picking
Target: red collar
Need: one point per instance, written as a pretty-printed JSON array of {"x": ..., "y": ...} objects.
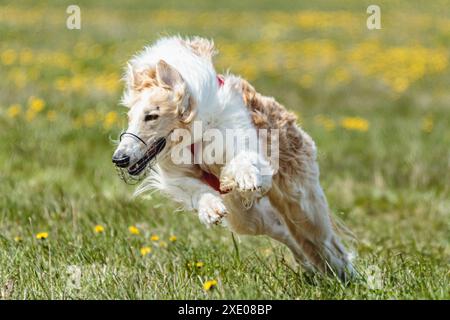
[{"x": 220, "y": 79}]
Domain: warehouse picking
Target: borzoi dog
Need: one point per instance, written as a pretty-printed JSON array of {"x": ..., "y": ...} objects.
[{"x": 170, "y": 86}]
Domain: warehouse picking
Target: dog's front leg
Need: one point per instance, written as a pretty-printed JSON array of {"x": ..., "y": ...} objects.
[
  {"x": 211, "y": 209},
  {"x": 196, "y": 195},
  {"x": 248, "y": 173},
  {"x": 207, "y": 202}
]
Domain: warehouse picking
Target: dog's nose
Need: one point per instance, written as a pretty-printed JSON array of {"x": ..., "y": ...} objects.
[{"x": 121, "y": 160}]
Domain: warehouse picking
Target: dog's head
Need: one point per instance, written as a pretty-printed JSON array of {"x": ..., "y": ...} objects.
[{"x": 159, "y": 102}]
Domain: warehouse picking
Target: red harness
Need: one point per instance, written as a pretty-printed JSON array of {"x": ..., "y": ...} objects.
[
  {"x": 220, "y": 79},
  {"x": 207, "y": 177}
]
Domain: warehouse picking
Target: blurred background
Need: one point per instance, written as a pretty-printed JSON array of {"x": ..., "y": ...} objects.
[{"x": 376, "y": 102}]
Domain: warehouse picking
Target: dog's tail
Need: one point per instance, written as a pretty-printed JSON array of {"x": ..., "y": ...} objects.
[
  {"x": 342, "y": 230},
  {"x": 345, "y": 242}
]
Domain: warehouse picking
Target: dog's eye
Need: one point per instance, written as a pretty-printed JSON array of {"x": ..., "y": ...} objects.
[{"x": 150, "y": 117}]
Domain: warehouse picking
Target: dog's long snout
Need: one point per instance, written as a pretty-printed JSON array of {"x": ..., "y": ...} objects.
[{"x": 121, "y": 160}]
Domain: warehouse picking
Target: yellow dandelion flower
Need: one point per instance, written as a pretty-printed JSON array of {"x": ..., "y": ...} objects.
[
  {"x": 306, "y": 81},
  {"x": 26, "y": 56},
  {"x": 210, "y": 284},
  {"x": 90, "y": 118},
  {"x": 329, "y": 124},
  {"x": 99, "y": 229},
  {"x": 400, "y": 85},
  {"x": 154, "y": 237},
  {"x": 42, "y": 235},
  {"x": 62, "y": 84},
  {"x": 145, "y": 251},
  {"x": 8, "y": 57},
  {"x": 18, "y": 239},
  {"x": 133, "y": 230},
  {"x": 199, "y": 264},
  {"x": 172, "y": 238},
  {"x": 18, "y": 77},
  {"x": 77, "y": 83},
  {"x": 340, "y": 75},
  {"x": 51, "y": 115},
  {"x": 14, "y": 110},
  {"x": 162, "y": 244},
  {"x": 427, "y": 124},
  {"x": 355, "y": 123},
  {"x": 30, "y": 115},
  {"x": 326, "y": 122},
  {"x": 36, "y": 104},
  {"x": 77, "y": 122},
  {"x": 110, "y": 119}
]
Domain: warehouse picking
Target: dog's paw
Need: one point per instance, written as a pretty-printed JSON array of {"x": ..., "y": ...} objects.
[
  {"x": 244, "y": 175},
  {"x": 245, "y": 178},
  {"x": 211, "y": 209}
]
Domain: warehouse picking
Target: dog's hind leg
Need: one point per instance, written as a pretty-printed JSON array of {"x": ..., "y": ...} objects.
[
  {"x": 304, "y": 211},
  {"x": 262, "y": 219},
  {"x": 274, "y": 227}
]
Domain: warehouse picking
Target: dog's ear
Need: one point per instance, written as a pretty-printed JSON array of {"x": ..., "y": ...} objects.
[
  {"x": 169, "y": 77},
  {"x": 131, "y": 77},
  {"x": 187, "y": 111}
]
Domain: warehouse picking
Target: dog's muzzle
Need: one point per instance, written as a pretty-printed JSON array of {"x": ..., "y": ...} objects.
[{"x": 137, "y": 171}]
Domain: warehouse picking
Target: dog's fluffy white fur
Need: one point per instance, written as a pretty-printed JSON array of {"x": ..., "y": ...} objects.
[{"x": 289, "y": 206}]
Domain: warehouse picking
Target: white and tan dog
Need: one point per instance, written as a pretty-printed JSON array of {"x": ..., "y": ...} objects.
[{"x": 173, "y": 84}]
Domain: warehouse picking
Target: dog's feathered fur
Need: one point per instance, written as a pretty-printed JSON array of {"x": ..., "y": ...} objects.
[{"x": 290, "y": 207}]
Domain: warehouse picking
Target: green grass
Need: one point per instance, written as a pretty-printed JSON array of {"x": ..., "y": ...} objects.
[{"x": 389, "y": 184}]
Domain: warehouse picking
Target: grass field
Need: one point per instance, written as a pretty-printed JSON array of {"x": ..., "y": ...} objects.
[{"x": 376, "y": 102}]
